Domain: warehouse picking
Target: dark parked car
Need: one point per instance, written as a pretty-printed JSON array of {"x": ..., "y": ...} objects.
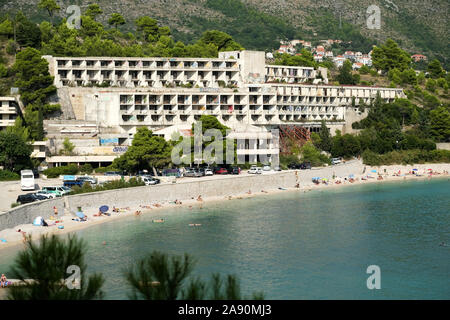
[
  {"x": 235, "y": 170},
  {"x": 27, "y": 198},
  {"x": 36, "y": 173},
  {"x": 40, "y": 196},
  {"x": 293, "y": 166},
  {"x": 305, "y": 165}
]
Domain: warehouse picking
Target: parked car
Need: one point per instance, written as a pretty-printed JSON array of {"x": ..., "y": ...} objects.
[
  {"x": 305, "y": 165},
  {"x": 70, "y": 181},
  {"x": 53, "y": 190},
  {"x": 40, "y": 196},
  {"x": 335, "y": 161},
  {"x": 266, "y": 168},
  {"x": 89, "y": 179},
  {"x": 27, "y": 198},
  {"x": 277, "y": 168},
  {"x": 193, "y": 172},
  {"x": 208, "y": 172},
  {"x": 36, "y": 173},
  {"x": 255, "y": 170},
  {"x": 221, "y": 171},
  {"x": 113, "y": 173},
  {"x": 293, "y": 166},
  {"x": 171, "y": 173},
  {"x": 235, "y": 170},
  {"x": 149, "y": 181},
  {"x": 46, "y": 194}
]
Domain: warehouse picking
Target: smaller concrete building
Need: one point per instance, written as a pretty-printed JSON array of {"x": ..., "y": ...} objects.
[{"x": 8, "y": 111}]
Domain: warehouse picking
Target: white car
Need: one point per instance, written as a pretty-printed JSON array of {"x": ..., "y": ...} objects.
[
  {"x": 209, "y": 172},
  {"x": 46, "y": 194},
  {"x": 335, "y": 161},
  {"x": 266, "y": 168},
  {"x": 255, "y": 170}
]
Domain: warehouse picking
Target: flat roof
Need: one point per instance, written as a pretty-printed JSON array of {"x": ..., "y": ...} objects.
[{"x": 57, "y": 159}]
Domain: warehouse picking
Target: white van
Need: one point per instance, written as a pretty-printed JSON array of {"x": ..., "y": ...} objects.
[{"x": 26, "y": 180}]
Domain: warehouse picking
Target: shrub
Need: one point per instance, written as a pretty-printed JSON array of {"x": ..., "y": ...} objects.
[
  {"x": 105, "y": 169},
  {"x": 406, "y": 157},
  {"x": 6, "y": 175},
  {"x": 116, "y": 184},
  {"x": 86, "y": 168},
  {"x": 63, "y": 170}
]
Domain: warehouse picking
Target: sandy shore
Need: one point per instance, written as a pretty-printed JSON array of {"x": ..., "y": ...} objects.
[{"x": 157, "y": 209}]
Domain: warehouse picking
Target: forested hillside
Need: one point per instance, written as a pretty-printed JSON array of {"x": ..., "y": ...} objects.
[{"x": 418, "y": 26}]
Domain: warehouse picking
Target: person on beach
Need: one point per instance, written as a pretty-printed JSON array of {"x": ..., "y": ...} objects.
[
  {"x": 249, "y": 192},
  {"x": 3, "y": 281},
  {"x": 24, "y": 237},
  {"x": 115, "y": 209},
  {"x": 138, "y": 213},
  {"x": 199, "y": 198},
  {"x": 55, "y": 211}
]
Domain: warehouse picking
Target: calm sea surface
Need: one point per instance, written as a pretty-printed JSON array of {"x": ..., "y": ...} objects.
[{"x": 314, "y": 245}]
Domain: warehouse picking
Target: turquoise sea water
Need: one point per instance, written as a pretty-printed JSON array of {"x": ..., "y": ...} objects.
[{"x": 293, "y": 245}]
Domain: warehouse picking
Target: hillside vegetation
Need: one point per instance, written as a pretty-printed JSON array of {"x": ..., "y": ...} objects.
[{"x": 418, "y": 26}]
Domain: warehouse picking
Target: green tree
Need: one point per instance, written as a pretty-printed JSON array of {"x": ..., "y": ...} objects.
[
  {"x": 116, "y": 20},
  {"x": 93, "y": 11},
  {"x": 47, "y": 263},
  {"x": 390, "y": 56},
  {"x": 325, "y": 137},
  {"x": 440, "y": 124},
  {"x": 7, "y": 28},
  {"x": 435, "y": 69},
  {"x": 158, "y": 277},
  {"x": 33, "y": 78},
  {"x": 14, "y": 151},
  {"x": 146, "y": 152},
  {"x": 345, "y": 74},
  {"x": 50, "y": 5},
  {"x": 67, "y": 147},
  {"x": 28, "y": 33},
  {"x": 222, "y": 40},
  {"x": 148, "y": 28}
]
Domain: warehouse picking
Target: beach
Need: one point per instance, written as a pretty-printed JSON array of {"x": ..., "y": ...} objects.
[{"x": 157, "y": 210}]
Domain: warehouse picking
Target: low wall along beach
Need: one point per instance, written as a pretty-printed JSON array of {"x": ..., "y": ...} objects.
[{"x": 133, "y": 197}]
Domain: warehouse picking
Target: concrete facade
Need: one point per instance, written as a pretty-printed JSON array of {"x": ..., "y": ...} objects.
[{"x": 8, "y": 111}]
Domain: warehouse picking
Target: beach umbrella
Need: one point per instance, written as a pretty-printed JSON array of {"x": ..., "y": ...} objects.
[
  {"x": 39, "y": 221},
  {"x": 415, "y": 169},
  {"x": 351, "y": 176},
  {"x": 80, "y": 214},
  {"x": 104, "y": 209},
  {"x": 374, "y": 171}
]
